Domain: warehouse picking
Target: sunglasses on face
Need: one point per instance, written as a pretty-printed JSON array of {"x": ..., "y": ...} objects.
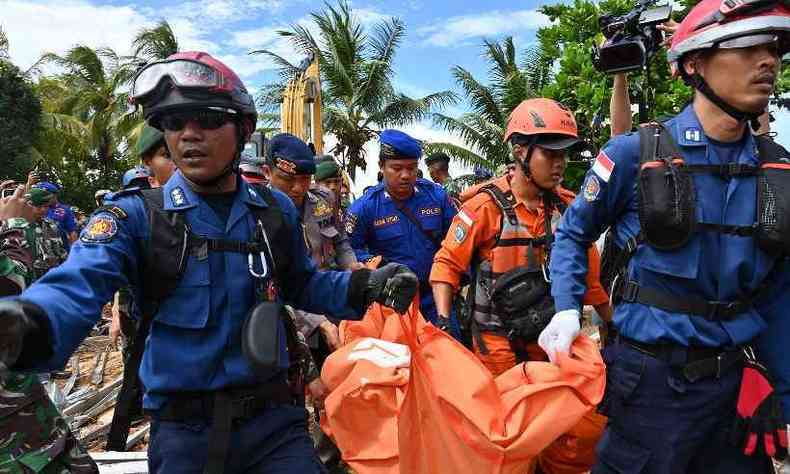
[{"x": 207, "y": 119}]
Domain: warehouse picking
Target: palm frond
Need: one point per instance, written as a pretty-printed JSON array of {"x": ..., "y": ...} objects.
[
  {"x": 457, "y": 153},
  {"x": 403, "y": 109},
  {"x": 287, "y": 70},
  {"x": 480, "y": 97},
  {"x": 3, "y": 44},
  {"x": 155, "y": 43}
]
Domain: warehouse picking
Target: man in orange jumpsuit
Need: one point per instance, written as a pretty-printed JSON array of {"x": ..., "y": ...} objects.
[{"x": 501, "y": 233}]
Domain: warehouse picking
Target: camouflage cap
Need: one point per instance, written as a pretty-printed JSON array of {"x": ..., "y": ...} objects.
[{"x": 39, "y": 196}]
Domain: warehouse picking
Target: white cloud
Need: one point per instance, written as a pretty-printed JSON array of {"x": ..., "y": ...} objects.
[
  {"x": 458, "y": 29},
  {"x": 52, "y": 25}
]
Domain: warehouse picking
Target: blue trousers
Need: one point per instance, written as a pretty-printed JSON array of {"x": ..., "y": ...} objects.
[
  {"x": 659, "y": 423},
  {"x": 274, "y": 442}
]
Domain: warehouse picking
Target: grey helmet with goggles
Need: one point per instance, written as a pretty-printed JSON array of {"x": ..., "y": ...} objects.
[
  {"x": 194, "y": 86},
  {"x": 726, "y": 24}
]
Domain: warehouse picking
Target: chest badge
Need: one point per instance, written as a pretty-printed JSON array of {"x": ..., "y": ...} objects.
[
  {"x": 693, "y": 135},
  {"x": 178, "y": 197}
]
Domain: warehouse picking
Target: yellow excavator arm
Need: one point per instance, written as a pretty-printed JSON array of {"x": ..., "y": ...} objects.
[{"x": 300, "y": 112}]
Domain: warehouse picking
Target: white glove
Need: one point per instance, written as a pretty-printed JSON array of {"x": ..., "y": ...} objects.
[{"x": 560, "y": 333}]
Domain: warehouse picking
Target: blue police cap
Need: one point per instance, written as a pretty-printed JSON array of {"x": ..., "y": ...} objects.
[
  {"x": 396, "y": 145},
  {"x": 51, "y": 187},
  {"x": 290, "y": 155}
]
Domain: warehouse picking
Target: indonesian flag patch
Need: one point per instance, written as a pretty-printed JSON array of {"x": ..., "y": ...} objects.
[{"x": 603, "y": 167}]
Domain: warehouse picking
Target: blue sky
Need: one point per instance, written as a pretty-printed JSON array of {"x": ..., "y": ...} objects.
[{"x": 440, "y": 34}]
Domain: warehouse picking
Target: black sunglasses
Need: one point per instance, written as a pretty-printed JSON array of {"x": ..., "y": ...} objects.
[{"x": 207, "y": 119}]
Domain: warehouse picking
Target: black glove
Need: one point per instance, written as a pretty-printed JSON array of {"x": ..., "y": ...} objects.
[
  {"x": 24, "y": 334},
  {"x": 393, "y": 285}
]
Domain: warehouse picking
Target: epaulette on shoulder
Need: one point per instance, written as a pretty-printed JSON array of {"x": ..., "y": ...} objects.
[
  {"x": 117, "y": 211},
  {"x": 123, "y": 192}
]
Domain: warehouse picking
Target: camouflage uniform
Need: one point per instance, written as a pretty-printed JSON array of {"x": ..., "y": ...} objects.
[
  {"x": 34, "y": 438},
  {"x": 47, "y": 246},
  {"x": 454, "y": 188},
  {"x": 328, "y": 244}
]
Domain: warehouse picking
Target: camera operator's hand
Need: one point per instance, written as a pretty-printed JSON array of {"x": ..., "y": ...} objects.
[
  {"x": 394, "y": 286},
  {"x": 16, "y": 206},
  {"x": 669, "y": 28},
  {"x": 32, "y": 179},
  {"x": 23, "y": 335}
]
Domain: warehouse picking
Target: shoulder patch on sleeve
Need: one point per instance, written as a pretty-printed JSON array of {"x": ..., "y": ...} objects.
[
  {"x": 591, "y": 188},
  {"x": 100, "y": 229},
  {"x": 114, "y": 210}
]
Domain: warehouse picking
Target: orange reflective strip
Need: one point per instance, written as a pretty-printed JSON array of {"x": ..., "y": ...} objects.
[{"x": 777, "y": 166}]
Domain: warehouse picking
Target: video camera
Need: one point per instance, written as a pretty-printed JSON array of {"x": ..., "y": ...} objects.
[{"x": 631, "y": 39}]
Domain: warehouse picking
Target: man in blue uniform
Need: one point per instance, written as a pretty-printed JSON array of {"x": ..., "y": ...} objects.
[
  {"x": 693, "y": 291},
  {"x": 403, "y": 219},
  {"x": 225, "y": 254}
]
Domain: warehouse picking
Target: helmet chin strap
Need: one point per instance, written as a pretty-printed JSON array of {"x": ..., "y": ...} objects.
[{"x": 698, "y": 82}]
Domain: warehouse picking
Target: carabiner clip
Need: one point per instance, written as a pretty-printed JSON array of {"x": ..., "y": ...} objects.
[
  {"x": 545, "y": 273},
  {"x": 264, "y": 265}
]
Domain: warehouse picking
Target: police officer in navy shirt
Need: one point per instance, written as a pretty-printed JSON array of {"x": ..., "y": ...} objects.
[
  {"x": 225, "y": 248},
  {"x": 403, "y": 218}
]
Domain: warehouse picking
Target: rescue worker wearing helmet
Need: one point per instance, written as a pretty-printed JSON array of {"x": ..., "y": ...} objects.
[
  {"x": 153, "y": 153},
  {"x": 136, "y": 178},
  {"x": 504, "y": 233},
  {"x": 704, "y": 258},
  {"x": 219, "y": 258}
]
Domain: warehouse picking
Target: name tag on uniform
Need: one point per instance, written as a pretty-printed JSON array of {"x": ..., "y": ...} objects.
[{"x": 382, "y": 221}]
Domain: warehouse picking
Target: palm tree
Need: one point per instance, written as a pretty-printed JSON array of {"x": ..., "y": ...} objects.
[
  {"x": 511, "y": 80},
  {"x": 3, "y": 45},
  {"x": 86, "y": 97},
  {"x": 356, "y": 71}
]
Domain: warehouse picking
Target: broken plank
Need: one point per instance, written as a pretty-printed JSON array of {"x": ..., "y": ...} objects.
[
  {"x": 137, "y": 436},
  {"x": 81, "y": 405}
]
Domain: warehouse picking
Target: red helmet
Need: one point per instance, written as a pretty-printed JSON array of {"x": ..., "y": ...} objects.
[
  {"x": 712, "y": 22},
  {"x": 191, "y": 79},
  {"x": 544, "y": 121}
]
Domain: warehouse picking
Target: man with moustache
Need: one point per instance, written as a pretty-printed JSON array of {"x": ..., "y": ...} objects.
[{"x": 699, "y": 206}]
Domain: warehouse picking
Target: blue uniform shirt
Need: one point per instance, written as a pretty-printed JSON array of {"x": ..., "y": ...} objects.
[
  {"x": 377, "y": 227},
  {"x": 195, "y": 340},
  {"x": 713, "y": 266}
]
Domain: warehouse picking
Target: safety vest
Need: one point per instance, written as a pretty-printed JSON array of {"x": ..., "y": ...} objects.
[{"x": 515, "y": 246}]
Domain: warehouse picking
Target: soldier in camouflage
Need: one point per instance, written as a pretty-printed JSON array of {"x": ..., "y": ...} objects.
[
  {"x": 439, "y": 168},
  {"x": 46, "y": 242},
  {"x": 34, "y": 437}
]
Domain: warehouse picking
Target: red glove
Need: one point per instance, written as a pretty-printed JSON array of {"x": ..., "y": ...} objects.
[{"x": 759, "y": 426}]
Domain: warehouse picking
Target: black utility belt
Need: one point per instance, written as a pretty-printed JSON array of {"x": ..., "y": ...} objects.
[
  {"x": 695, "y": 362},
  {"x": 687, "y": 304},
  {"x": 239, "y": 403}
]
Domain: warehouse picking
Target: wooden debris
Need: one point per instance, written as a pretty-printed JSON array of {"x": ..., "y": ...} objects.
[
  {"x": 97, "y": 375},
  {"x": 137, "y": 436},
  {"x": 75, "y": 374},
  {"x": 82, "y": 405}
]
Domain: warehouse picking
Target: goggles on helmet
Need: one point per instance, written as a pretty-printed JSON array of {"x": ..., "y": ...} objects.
[
  {"x": 209, "y": 118},
  {"x": 183, "y": 72},
  {"x": 779, "y": 43}
]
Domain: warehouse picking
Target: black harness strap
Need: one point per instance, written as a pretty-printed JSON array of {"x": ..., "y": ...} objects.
[
  {"x": 725, "y": 170},
  {"x": 687, "y": 304}
]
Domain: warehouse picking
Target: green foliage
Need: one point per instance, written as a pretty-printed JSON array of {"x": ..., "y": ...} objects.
[
  {"x": 20, "y": 116},
  {"x": 511, "y": 79},
  {"x": 356, "y": 71}
]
